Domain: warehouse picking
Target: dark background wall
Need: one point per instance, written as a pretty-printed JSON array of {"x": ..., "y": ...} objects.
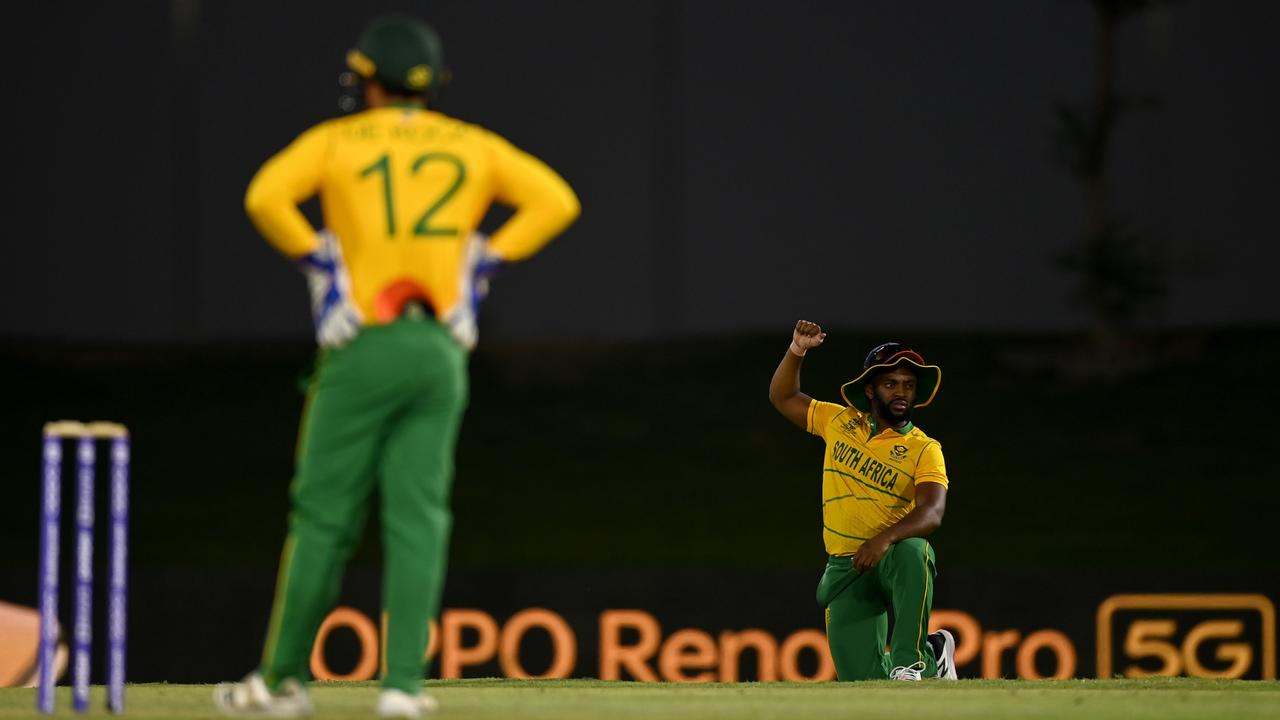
[{"x": 737, "y": 161}]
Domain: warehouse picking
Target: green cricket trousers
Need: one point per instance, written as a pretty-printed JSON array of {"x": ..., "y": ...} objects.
[
  {"x": 857, "y": 605},
  {"x": 383, "y": 413}
]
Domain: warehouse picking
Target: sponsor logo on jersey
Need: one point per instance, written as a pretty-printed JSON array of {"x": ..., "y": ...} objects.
[{"x": 853, "y": 424}]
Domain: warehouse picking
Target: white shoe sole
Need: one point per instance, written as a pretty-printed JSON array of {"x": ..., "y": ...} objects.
[
  {"x": 251, "y": 698},
  {"x": 400, "y": 704},
  {"x": 949, "y": 653}
]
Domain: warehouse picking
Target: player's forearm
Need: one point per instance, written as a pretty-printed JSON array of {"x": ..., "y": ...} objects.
[
  {"x": 535, "y": 224},
  {"x": 920, "y": 522},
  {"x": 285, "y": 227},
  {"x": 278, "y": 218},
  {"x": 785, "y": 383}
]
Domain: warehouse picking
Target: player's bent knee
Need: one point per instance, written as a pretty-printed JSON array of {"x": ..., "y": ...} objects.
[{"x": 911, "y": 548}]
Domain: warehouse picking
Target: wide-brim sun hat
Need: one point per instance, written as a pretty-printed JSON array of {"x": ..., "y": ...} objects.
[{"x": 886, "y": 357}]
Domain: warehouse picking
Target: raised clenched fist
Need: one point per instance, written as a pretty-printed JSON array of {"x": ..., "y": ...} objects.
[{"x": 806, "y": 335}]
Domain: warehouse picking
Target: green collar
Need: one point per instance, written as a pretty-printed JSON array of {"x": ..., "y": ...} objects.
[{"x": 875, "y": 429}]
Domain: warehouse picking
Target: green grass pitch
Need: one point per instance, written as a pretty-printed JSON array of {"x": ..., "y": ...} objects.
[{"x": 1159, "y": 699}]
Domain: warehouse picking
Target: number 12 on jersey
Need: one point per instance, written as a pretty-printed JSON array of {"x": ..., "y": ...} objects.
[{"x": 423, "y": 227}]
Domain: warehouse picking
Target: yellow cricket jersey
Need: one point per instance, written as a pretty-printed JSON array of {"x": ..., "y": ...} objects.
[
  {"x": 403, "y": 188},
  {"x": 868, "y": 481}
]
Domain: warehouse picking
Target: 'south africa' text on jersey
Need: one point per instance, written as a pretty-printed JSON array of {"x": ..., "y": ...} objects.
[{"x": 861, "y": 464}]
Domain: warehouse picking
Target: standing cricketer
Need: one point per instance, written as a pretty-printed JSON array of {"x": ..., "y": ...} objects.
[
  {"x": 884, "y": 488},
  {"x": 394, "y": 281}
]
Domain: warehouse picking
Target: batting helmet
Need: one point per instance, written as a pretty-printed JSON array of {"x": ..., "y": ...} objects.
[
  {"x": 886, "y": 357},
  {"x": 402, "y": 53}
]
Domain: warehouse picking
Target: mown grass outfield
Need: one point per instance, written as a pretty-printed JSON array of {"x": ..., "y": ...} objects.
[{"x": 1163, "y": 699}]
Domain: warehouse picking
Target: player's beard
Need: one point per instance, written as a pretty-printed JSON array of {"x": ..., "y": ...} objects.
[{"x": 886, "y": 412}]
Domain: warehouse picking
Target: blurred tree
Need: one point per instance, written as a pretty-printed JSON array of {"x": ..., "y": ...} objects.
[{"x": 1116, "y": 269}]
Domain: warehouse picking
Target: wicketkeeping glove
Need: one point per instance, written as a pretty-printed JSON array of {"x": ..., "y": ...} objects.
[
  {"x": 479, "y": 264},
  {"x": 337, "y": 319}
]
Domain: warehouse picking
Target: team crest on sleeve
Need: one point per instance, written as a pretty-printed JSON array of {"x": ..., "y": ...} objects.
[{"x": 899, "y": 452}]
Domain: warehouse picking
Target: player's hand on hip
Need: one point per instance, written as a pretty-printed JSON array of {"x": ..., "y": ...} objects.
[
  {"x": 479, "y": 265},
  {"x": 806, "y": 336},
  {"x": 336, "y": 316},
  {"x": 869, "y": 555},
  {"x": 482, "y": 264}
]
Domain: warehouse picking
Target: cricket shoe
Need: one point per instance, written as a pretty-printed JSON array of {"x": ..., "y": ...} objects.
[
  {"x": 251, "y": 698},
  {"x": 944, "y": 649},
  {"x": 910, "y": 672},
  {"x": 394, "y": 703}
]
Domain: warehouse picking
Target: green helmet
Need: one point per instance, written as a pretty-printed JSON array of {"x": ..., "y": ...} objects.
[{"x": 402, "y": 53}]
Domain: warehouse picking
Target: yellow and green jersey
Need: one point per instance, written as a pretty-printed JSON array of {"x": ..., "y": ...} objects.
[
  {"x": 403, "y": 188},
  {"x": 869, "y": 478}
]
